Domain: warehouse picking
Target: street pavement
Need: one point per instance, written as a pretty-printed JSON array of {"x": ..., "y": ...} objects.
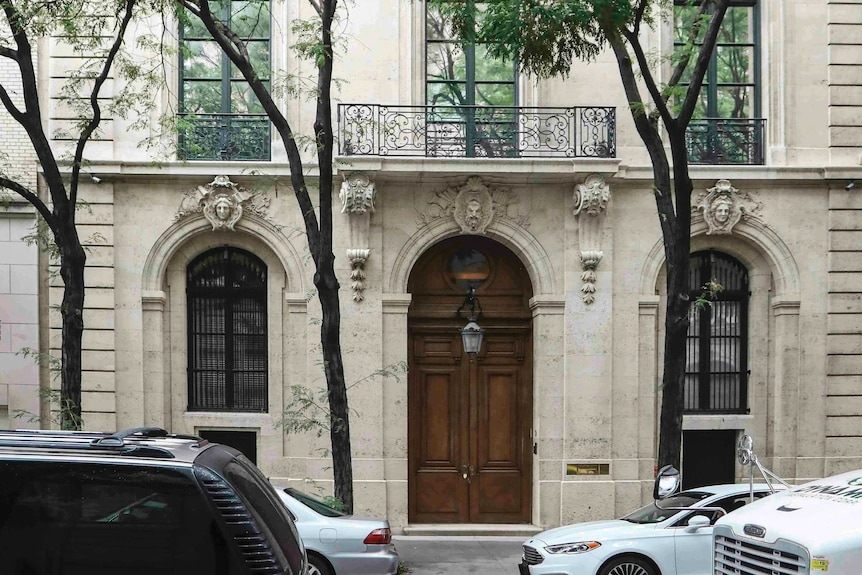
[{"x": 476, "y": 555}]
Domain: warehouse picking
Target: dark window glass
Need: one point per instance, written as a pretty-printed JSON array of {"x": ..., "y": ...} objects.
[
  {"x": 91, "y": 519},
  {"x": 653, "y": 514},
  {"x": 227, "y": 328},
  {"x": 717, "y": 343},
  {"x": 220, "y": 117},
  {"x": 262, "y": 500},
  {"x": 468, "y": 266},
  {"x": 727, "y": 126},
  {"x": 471, "y": 93},
  {"x": 313, "y": 503}
]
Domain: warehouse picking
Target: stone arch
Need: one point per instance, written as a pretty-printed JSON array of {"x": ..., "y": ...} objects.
[
  {"x": 522, "y": 243},
  {"x": 186, "y": 234},
  {"x": 760, "y": 245}
]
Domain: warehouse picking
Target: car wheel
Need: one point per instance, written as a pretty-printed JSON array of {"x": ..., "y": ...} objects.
[
  {"x": 318, "y": 566},
  {"x": 628, "y": 566}
]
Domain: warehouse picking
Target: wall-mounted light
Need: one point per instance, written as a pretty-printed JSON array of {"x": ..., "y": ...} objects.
[{"x": 472, "y": 334}]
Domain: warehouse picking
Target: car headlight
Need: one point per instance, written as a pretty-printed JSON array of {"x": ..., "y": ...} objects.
[{"x": 573, "y": 548}]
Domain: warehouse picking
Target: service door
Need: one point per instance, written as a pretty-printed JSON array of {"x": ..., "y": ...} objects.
[{"x": 470, "y": 415}]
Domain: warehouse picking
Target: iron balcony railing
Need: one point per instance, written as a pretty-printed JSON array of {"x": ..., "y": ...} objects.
[
  {"x": 477, "y": 131},
  {"x": 240, "y": 137},
  {"x": 726, "y": 141}
]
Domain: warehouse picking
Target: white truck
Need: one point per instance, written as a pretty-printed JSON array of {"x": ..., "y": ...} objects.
[{"x": 809, "y": 529}]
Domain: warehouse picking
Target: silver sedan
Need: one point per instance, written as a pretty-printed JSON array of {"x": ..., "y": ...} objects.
[{"x": 339, "y": 544}]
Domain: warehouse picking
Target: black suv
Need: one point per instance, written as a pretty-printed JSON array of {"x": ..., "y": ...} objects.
[{"x": 140, "y": 502}]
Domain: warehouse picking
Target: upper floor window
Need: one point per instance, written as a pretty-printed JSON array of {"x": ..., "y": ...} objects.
[
  {"x": 221, "y": 118},
  {"x": 470, "y": 95},
  {"x": 227, "y": 330},
  {"x": 716, "y": 377},
  {"x": 727, "y": 127}
]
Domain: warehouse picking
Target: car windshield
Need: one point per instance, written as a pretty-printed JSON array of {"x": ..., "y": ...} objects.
[
  {"x": 313, "y": 503},
  {"x": 653, "y": 514}
]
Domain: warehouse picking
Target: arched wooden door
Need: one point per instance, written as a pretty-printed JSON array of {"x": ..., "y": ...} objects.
[{"x": 470, "y": 416}]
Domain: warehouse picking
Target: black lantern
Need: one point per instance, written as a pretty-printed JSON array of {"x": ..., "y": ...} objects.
[{"x": 472, "y": 333}]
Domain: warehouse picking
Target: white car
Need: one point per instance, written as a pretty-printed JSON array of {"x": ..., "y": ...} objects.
[
  {"x": 649, "y": 541},
  {"x": 340, "y": 544}
]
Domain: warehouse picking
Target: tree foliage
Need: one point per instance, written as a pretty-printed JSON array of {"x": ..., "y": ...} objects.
[
  {"x": 95, "y": 31},
  {"x": 546, "y": 38}
]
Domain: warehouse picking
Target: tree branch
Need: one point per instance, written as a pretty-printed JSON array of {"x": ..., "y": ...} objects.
[
  {"x": 652, "y": 88},
  {"x": 639, "y": 16},
  {"x": 233, "y": 46},
  {"x": 8, "y": 53},
  {"x": 316, "y": 5},
  {"x": 10, "y": 106},
  {"x": 679, "y": 70},
  {"x": 702, "y": 63},
  {"x": 94, "y": 100},
  {"x": 32, "y": 198}
]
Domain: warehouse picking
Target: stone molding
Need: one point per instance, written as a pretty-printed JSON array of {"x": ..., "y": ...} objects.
[
  {"x": 525, "y": 245},
  {"x": 357, "y": 194},
  {"x": 723, "y": 206},
  {"x": 756, "y": 234},
  {"x": 591, "y": 204},
  {"x": 222, "y": 203}
]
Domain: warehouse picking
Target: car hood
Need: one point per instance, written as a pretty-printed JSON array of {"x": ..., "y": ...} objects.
[{"x": 590, "y": 531}]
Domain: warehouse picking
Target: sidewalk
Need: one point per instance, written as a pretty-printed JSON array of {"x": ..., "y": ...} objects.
[{"x": 474, "y": 555}]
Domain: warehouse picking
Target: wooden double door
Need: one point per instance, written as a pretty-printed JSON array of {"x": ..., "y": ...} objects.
[{"x": 470, "y": 427}]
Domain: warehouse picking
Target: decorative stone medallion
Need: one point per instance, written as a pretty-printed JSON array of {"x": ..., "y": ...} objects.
[
  {"x": 222, "y": 203},
  {"x": 722, "y": 207},
  {"x": 474, "y": 206}
]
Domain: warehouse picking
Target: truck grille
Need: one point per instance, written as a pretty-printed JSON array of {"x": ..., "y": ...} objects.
[
  {"x": 738, "y": 557},
  {"x": 531, "y": 556}
]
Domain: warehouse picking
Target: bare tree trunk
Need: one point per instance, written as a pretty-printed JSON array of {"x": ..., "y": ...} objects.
[{"x": 72, "y": 262}]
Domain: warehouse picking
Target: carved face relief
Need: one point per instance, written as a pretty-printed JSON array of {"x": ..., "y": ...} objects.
[
  {"x": 474, "y": 207},
  {"x": 223, "y": 208},
  {"x": 723, "y": 206},
  {"x": 721, "y": 210}
]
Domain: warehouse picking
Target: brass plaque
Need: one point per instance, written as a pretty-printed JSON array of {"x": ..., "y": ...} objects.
[{"x": 588, "y": 469}]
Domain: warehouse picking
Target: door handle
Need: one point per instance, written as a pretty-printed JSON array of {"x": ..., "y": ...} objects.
[{"x": 466, "y": 472}]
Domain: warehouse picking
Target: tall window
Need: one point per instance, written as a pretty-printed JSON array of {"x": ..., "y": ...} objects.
[
  {"x": 221, "y": 118},
  {"x": 717, "y": 344},
  {"x": 727, "y": 127},
  {"x": 470, "y": 95},
  {"x": 227, "y": 331}
]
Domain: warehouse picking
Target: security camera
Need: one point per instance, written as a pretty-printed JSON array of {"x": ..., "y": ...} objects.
[
  {"x": 96, "y": 179},
  {"x": 850, "y": 186}
]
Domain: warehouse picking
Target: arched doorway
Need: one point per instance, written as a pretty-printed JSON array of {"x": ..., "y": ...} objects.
[{"x": 469, "y": 416}]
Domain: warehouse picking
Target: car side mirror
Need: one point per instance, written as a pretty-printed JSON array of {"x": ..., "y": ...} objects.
[
  {"x": 696, "y": 522},
  {"x": 666, "y": 483}
]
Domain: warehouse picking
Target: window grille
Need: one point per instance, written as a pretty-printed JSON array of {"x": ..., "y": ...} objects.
[
  {"x": 227, "y": 354},
  {"x": 716, "y": 379}
]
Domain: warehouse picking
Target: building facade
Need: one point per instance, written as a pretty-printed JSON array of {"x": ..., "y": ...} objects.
[{"x": 468, "y": 191}]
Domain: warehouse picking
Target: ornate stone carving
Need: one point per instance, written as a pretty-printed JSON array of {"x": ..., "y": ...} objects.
[
  {"x": 589, "y": 262},
  {"x": 473, "y": 205},
  {"x": 357, "y": 194},
  {"x": 592, "y": 196},
  {"x": 358, "y": 258},
  {"x": 222, "y": 203},
  {"x": 722, "y": 206}
]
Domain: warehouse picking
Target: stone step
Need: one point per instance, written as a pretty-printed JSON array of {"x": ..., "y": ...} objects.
[{"x": 471, "y": 530}]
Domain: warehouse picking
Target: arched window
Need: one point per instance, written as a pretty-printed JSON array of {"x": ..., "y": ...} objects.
[
  {"x": 227, "y": 369},
  {"x": 717, "y": 344}
]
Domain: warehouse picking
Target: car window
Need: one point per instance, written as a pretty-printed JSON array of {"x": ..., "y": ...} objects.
[
  {"x": 729, "y": 504},
  {"x": 653, "y": 514},
  {"x": 314, "y": 503},
  {"x": 106, "y": 519}
]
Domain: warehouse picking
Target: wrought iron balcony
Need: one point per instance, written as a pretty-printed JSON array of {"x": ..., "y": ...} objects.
[
  {"x": 224, "y": 137},
  {"x": 726, "y": 141},
  {"x": 476, "y": 131}
]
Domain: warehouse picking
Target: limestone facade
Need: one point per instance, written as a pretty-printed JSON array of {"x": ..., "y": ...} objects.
[{"x": 585, "y": 231}]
